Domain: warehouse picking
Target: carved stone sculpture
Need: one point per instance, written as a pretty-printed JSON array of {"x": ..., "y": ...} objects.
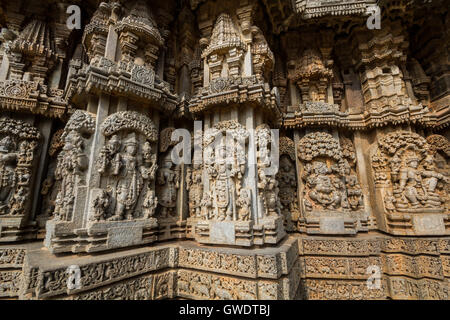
[
  {"x": 287, "y": 179},
  {"x": 352, "y": 201},
  {"x": 404, "y": 165},
  {"x": 328, "y": 174}
]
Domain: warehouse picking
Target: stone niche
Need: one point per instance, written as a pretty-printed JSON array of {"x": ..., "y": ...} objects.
[
  {"x": 239, "y": 201},
  {"x": 19, "y": 155},
  {"x": 411, "y": 177},
  {"x": 106, "y": 199},
  {"x": 233, "y": 193},
  {"x": 111, "y": 190},
  {"x": 331, "y": 197}
]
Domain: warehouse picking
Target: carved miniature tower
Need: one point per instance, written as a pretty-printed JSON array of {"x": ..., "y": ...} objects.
[
  {"x": 237, "y": 203},
  {"x": 33, "y": 50},
  {"x": 108, "y": 165}
]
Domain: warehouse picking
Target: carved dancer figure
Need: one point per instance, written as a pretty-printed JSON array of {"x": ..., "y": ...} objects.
[
  {"x": 409, "y": 180},
  {"x": 109, "y": 155}
]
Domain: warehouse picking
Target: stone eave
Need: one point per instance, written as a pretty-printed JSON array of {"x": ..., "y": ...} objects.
[
  {"x": 98, "y": 80},
  {"x": 30, "y": 97},
  {"x": 309, "y": 9},
  {"x": 256, "y": 94},
  {"x": 366, "y": 120}
]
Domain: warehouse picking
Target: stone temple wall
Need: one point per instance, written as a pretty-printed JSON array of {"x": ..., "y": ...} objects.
[{"x": 316, "y": 149}]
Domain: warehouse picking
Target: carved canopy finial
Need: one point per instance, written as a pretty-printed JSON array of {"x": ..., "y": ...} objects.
[{"x": 129, "y": 120}]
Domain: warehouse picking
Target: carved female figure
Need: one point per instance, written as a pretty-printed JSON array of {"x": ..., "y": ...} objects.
[{"x": 150, "y": 166}]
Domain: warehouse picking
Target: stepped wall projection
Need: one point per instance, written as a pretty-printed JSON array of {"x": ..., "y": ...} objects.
[{"x": 315, "y": 160}]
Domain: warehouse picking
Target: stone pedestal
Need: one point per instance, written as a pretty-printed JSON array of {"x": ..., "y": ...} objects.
[{"x": 240, "y": 233}]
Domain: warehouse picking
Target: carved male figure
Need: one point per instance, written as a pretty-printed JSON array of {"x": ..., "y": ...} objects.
[
  {"x": 168, "y": 179},
  {"x": 130, "y": 181}
]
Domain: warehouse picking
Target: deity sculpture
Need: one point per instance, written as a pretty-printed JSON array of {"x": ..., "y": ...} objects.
[
  {"x": 223, "y": 187},
  {"x": 150, "y": 166},
  {"x": 168, "y": 181},
  {"x": 409, "y": 179},
  {"x": 287, "y": 180},
  {"x": 8, "y": 177},
  {"x": 71, "y": 163},
  {"x": 130, "y": 181},
  {"x": 322, "y": 186},
  {"x": 329, "y": 173},
  {"x": 417, "y": 187},
  {"x": 267, "y": 183},
  {"x": 195, "y": 188},
  {"x": 412, "y": 180}
]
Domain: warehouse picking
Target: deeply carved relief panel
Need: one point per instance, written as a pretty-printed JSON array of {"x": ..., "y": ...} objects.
[
  {"x": 268, "y": 185},
  {"x": 287, "y": 180},
  {"x": 332, "y": 198},
  {"x": 19, "y": 149},
  {"x": 72, "y": 163},
  {"x": 127, "y": 166},
  {"x": 232, "y": 200},
  {"x": 168, "y": 178},
  {"x": 329, "y": 174},
  {"x": 225, "y": 164},
  {"x": 411, "y": 177},
  {"x": 110, "y": 194}
]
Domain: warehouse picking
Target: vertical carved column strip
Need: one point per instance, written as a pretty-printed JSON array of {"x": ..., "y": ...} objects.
[
  {"x": 252, "y": 170},
  {"x": 363, "y": 164},
  {"x": 45, "y": 128},
  {"x": 297, "y": 137}
]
